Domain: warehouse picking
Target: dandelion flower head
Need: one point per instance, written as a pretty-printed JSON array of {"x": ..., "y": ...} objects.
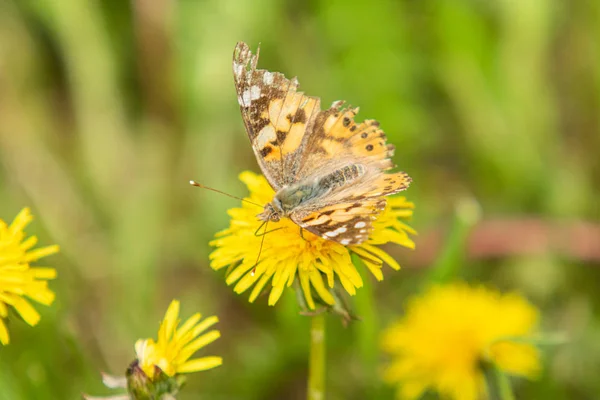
[
  {"x": 448, "y": 332},
  {"x": 288, "y": 255},
  {"x": 175, "y": 345},
  {"x": 19, "y": 282}
]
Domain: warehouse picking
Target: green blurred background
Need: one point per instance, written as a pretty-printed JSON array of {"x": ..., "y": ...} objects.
[{"x": 108, "y": 109}]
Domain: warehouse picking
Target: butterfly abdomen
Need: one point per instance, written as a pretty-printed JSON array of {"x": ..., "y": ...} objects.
[
  {"x": 341, "y": 176},
  {"x": 293, "y": 196}
]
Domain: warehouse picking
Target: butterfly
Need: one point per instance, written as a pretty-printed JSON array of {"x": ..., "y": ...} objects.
[{"x": 327, "y": 170}]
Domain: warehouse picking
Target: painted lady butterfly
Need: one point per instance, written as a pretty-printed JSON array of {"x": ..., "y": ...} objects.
[{"x": 327, "y": 171}]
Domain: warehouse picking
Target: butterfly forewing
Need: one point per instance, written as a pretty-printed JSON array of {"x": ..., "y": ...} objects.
[{"x": 277, "y": 117}]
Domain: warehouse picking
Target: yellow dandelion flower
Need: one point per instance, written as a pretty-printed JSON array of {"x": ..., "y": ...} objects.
[
  {"x": 447, "y": 334},
  {"x": 175, "y": 345},
  {"x": 287, "y": 255},
  {"x": 19, "y": 282}
]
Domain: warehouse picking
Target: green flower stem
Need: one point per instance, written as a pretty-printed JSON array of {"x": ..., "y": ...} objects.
[
  {"x": 497, "y": 383},
  {"x": 450, "y": 260},
  {"x": 368, "y": 329},
  {"x": 316, "y": 363}
]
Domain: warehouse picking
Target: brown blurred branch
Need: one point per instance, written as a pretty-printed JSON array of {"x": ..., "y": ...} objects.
[{"x": 578, "y": 240}]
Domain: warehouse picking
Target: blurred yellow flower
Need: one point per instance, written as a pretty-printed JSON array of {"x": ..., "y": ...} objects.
[
  {"x": 176, "y": 344},
  {"x": 449, "y": 331},
  {"x": 19, "y": 282},
  {"x": 286, "y": 255}
]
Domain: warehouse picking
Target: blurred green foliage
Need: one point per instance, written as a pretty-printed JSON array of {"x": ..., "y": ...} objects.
[{"x": 108, "y": 109}]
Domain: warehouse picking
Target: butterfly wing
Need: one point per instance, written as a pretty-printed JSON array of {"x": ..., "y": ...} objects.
[
  {"x": 336, "y": 136},
  {"x": 346, "y": 223},
  {"x": 277, "y": 117}
]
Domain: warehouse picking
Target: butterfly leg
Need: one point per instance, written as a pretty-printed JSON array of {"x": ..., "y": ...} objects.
[
  {"x": 261, "y": 242},
  {"x": 258, "y": 229},
  {"x": 265, "y": 231},
  {"x": 302, "y": 234}
]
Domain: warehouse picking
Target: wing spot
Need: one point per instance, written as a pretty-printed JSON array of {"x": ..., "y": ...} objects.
[
  {"x": 363, "y": 231},
  {"x": 251, "y": 94},
  {"x": 281, "y": 135},
  {"x": 352, "y": 128},
  {"x": 336, "y": 232},
  {"x": 364, "y": 135},
  {"x": 268, "y": 78},
  {"x": 369, "y": 147},
  {"x": 299, "y": 117},
  {"x": 237, "y": 69},
  {"x": 345, "y": 242},
  {"x": 346, "y": 122},
  {"x": 265, "y": 151},
  {"x": 360, "y": 224}
]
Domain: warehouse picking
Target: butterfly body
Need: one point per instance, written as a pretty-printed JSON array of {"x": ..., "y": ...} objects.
[
  {"x": 301, "y": 195},
  {"x": 328, "y": 171}
]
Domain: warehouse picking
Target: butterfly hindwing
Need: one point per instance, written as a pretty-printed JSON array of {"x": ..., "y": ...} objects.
[
  {"x": 345, "y": 223},
  {"x": 381, "y": 185}
]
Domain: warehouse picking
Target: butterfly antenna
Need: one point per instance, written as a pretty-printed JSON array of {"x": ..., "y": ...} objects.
[
  {"x": 194, "y": 183},
  {"x": 262, "y": 241}
]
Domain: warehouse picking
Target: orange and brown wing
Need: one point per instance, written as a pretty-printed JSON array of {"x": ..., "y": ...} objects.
[
  {"x": 337, "y": 136},
  {"x": 346, "y": 223},
  {"x": 277, "y": 117},
  {"x": 380, "y": 185}
]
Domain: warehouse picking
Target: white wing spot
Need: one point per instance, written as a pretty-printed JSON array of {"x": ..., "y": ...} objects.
[
  {"x": 363, "y": 231},
  {"x": 336, "y": 232},
  {"x": 266, "y": 135},
  {"x": 250, "y": 95},
  {"x": 360, "y": 224},
  {"x": 268, "y": 78},
  {"x": 254, "y": 92},
  {"x": 237, "y": 69},
  {"x": 345, "y": 242}
]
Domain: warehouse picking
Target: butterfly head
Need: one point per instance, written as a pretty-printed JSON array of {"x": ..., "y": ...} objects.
[{"x": 272, "y": 211}]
